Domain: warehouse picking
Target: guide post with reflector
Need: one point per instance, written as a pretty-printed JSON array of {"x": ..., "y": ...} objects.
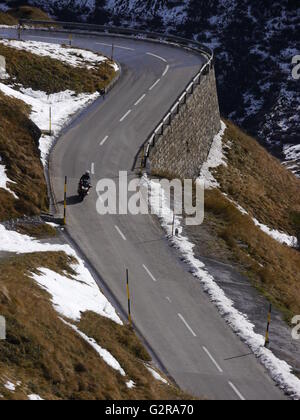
[
  {"x": 65, "y": 201},
  {"x": 267, "y": 340},
  {"x": 128, "y": 298}
]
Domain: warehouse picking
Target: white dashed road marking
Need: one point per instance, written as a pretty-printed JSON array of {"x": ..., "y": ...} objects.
[
  {"x": 166, "y": 70},
  {"x": 47, "y": 37},
  {"x": 150, "y": 274},
  {"x": 213, "y": 360},
  {"x": 115, "y": 46},
  {"x": 187, "y": 325},
  {"x": 157, "y": 56},
  {"x": 121, "y": 233},
  {"x": 125, "y": 116},
  {"x": 140, "y": 100},
  {"x": 156, "y": 83},
  {"x": 103, "y": 141},
  {"x": 241, "y": 397}
]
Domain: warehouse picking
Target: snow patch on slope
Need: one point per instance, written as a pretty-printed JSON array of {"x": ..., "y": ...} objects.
[
  {"x": 280, "y": 237},
  {"x": 73, "y": 296},
  {"x": 70, "y": 296},
  {"x": 74, "y": 57},
  {"x": 63, "y": 106},
  {"x": 156, "y": 375},
  {"x": 130, "y": 384},
  {"x": 4, "y": 180},
  {"x": 215, "y": 159},
  {"x": 10, "y": 386},
  {"x": 104, "y": 354},
  {"x": 292, "y": 157},
  {"x": 34, "y": 397}
]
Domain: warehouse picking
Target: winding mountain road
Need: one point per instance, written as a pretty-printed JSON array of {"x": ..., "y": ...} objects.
[{"x": 191, "y": 340}]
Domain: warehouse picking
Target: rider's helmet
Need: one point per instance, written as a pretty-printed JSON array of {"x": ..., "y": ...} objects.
[{"x": 87, "y": 173}]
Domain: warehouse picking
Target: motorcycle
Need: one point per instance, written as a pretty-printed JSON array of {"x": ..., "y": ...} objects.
[{"x": 84, "y": 189}]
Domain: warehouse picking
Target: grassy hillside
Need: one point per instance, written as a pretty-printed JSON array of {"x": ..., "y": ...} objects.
[
  {"x": 19, "y": 151},
  {"x": 7, "y": 19},
  {"x": 271, "y": 194},
  {"x": 28, "y": 12},
  {"x": 50, "y": 359},
  {"x": 12, "y": 16},
  {"x": 50, "y": 75},
  {"x": 259, "y": 183}
]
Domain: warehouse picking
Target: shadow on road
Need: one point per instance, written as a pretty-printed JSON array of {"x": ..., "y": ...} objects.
[{"x": 72, "y": 201}]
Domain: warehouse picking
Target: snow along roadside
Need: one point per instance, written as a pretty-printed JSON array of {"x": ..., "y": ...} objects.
[{"x": 279, "y": 370}]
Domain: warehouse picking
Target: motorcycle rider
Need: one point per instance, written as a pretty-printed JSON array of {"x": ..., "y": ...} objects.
[{"x": 86, "y": 177}]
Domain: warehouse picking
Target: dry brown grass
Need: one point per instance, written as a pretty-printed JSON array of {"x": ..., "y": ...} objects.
[
  {"x": 259, "y": 183},
  {"x": 36, "y": 230},
  {"x": 273, "y": 268},
  {"x": 19, "y": 151},
  {"x": 28, "y": 12},
  {"x": 7, "y": 19},
  {"x": 50, "y": 359},
  {"x": 123, "y": 344},
  {"x": 12, "y": 16},
  {"x": 52, "y": 76}
]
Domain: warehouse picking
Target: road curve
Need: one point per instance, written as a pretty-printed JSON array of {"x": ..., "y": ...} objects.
[{"x": 169, "y": 307}]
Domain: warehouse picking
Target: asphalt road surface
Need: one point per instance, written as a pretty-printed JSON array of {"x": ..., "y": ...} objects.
[{"x": 192, "y": 341}]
